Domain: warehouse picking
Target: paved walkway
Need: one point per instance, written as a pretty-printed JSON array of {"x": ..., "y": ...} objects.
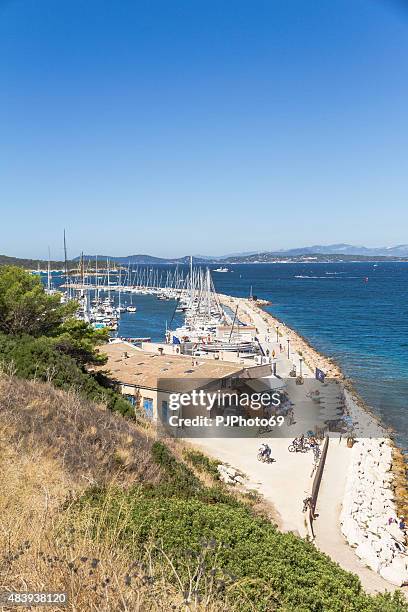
[
  {"x": 275, "y": 481},
  {"x": 286, "y": 482}
]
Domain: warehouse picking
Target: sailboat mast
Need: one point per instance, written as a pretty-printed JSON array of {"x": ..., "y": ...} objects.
[
  {"x": 96, "y": 279},
  {"x": 65, "y": 261},
  {"x": 82, "y": 275},
  {"x": 120, "y": 285},
  {"x": 191, "y": 280},
  {"x": 108, "y": 276},
  {"x": 49, "y": 271}
]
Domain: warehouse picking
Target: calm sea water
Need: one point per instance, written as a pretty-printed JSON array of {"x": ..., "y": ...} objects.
[
  {"x": 356, "y": 313},
  {"x": 363, "y": 324}
]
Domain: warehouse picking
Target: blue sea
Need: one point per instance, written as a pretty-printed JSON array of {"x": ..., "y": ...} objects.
[{"x": 356, "y": 313}]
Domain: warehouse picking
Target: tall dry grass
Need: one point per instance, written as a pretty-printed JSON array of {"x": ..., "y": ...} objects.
[{"x": 53, "y": 446}]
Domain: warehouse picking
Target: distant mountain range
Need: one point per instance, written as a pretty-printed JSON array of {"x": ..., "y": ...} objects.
[
  {"x": 145, "y": 259},
  {"x": 400, "y": 250},
  {"x": 316, "y": 252},
  {"x": 323, "y": 253}
]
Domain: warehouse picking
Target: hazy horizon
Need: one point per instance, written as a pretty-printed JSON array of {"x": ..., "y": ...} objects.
[{"x": 109, "y": 253}]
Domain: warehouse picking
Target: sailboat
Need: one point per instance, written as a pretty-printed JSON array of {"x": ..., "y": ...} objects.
[
  {"x": 207, "y": 326},
  {"x": 131, "y": 308},
  {"x": 50, "y": 289},
  {"x": 120, "y": 308}
]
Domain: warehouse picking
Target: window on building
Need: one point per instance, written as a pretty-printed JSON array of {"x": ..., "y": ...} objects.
[
  {"x": 165, "y": 407},
  {"x": 148, "y": 407}
]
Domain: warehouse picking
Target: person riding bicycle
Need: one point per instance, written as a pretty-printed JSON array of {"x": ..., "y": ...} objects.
[
  {"x": 265, "y": 450},
  {"x": 300, "y": 441}
]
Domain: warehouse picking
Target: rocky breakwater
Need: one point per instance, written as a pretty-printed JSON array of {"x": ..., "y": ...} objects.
[
  {"x": 369, "y": 519},
  {"x": 376, "y": 491},
  {"x": 311, "y": 357}
]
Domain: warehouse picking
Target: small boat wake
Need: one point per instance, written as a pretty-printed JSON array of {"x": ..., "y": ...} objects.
[{"x": 306, "y": 276}]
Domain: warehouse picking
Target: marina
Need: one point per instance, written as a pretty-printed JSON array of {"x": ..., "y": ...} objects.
[
  {"x": 203, "y": 306},
  {"x": 209, "y": 327}
]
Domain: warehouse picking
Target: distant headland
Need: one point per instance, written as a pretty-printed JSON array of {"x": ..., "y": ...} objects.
[{"x": 313, "y": 254}]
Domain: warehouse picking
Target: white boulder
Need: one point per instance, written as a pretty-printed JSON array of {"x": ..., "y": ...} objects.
[
  {"x": 396, "y": 572},
  {"x": 368, "y": 556}
]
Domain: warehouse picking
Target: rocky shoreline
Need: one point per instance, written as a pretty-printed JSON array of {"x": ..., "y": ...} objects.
[
  {"x": 315, "y": 359},
  {"x": 376, "y": 492},
  {"x": 369, "y": 519}
]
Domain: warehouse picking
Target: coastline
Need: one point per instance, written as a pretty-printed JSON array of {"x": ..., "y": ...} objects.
[
  {"x": 395, "y": 475},
  {"x": 332, "y": 369},
  {"x": 314, "y": 358}
]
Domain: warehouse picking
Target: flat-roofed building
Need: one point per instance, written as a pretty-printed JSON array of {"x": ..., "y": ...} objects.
[{"x": 147, "y": 379}]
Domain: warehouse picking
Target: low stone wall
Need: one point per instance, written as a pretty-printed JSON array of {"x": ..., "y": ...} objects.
[{"x": 369, "y": 516}]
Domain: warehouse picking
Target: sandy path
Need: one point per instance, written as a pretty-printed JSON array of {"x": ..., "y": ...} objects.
[
  {"x": 286, "y": 482},
  {"x": 275, "y": 481}
]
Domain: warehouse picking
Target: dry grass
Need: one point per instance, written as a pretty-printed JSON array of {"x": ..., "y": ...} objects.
[
  {"x": 52, "y": 446},
  {"x": 92, "y": 444}
]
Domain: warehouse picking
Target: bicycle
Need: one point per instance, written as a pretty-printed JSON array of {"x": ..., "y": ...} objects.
[
  {"x": 298, "y": 446},
  {"x": 264, "y": 458}
]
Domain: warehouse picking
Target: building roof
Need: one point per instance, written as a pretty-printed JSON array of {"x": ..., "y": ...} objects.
[{"x": 131, "y": 366}]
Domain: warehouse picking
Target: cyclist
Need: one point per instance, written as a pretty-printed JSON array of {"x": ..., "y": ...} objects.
[{"x": 265, "y": 450}]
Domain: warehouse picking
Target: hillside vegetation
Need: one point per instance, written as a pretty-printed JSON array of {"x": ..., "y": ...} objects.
[
  {"x": 31, "y": 264},
  {"x": 92, "y": 503}
]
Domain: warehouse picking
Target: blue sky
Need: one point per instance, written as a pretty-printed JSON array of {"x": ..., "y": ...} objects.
[{"x": 170, "y": 127}]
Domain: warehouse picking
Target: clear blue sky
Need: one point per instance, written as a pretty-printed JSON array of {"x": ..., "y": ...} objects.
[{"x": 214, "y": 126}]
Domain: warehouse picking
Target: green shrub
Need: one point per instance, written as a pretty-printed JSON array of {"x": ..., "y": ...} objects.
[
  {"x": 41, "y": 339},
  {"x": 267, "y": 569},
  {"x": 257, "y": 567},
  {"x": 38, "y": 358},
  {"x": 179, "y": 479},
  {"x": 202, "y": 463}
]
